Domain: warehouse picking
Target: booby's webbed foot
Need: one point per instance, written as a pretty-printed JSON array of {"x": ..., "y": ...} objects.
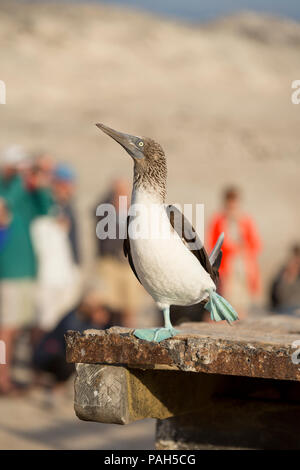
[
  {"x": 165, "y": 333},
  {"x": 220, "y": 308},
  {"x": 155, "y": 334}
]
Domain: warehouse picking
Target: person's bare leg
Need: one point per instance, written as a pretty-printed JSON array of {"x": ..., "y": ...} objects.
[{"x": 7, "y": 335}]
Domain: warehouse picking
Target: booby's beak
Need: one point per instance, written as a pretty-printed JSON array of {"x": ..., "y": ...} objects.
[{"x": 132, "y": 144}]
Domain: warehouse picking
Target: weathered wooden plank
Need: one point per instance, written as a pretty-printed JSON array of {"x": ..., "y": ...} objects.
[{"x": 256, "y": 348}]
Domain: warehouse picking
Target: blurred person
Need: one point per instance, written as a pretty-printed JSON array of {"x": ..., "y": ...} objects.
[
  {"x": 39, "y": 166},
  {"x": 21, "y": 201},
  {"x": 64, "y": 187},
  {"x": 45, "y": 162},
  {"x": 285, "y": 288},
  {"x": 122, "y": 289},
  {"x": 240, "y": 280},
  {"x": 50, "y": 354},
  {"x": 5, "y": 219},
  {"x": 56, "y": 244}
]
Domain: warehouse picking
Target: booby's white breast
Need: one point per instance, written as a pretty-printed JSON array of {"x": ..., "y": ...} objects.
[{"x": 169, "y": 272}]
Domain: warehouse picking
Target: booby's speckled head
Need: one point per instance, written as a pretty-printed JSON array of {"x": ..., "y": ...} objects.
[{"x": 150, "y": 167}]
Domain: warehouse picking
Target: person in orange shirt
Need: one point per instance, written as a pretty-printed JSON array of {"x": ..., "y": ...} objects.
[{"x": 240, "y": 280}]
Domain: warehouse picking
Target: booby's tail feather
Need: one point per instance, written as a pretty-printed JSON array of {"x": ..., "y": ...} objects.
[
  {"x": 220, "y": 309},
  {"x": 216, "y": 254}
]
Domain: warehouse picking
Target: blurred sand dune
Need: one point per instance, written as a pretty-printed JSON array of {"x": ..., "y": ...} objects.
[{"x": 218, "y": 98}]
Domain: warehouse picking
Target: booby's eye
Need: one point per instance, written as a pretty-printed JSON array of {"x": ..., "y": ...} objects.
[{"x": 141, "y": 143}]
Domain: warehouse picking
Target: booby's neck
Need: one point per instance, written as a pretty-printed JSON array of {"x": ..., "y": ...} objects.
[{"x": 151, "y": 179}]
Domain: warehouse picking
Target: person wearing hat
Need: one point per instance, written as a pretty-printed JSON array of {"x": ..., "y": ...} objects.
[
  {"x": 19, "y": 206},
  {"x": 64, "y": 187}
]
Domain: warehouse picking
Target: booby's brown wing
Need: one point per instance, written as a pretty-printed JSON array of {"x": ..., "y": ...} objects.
[
  {"x": 188, "y": 235},
  {"x": 127, "y": 252}
]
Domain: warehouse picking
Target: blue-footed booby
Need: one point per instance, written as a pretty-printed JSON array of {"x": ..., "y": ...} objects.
[{"x": 171, "y": 270}]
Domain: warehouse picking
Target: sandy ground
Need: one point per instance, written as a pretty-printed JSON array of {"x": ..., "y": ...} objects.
[
  {"x": 27, "y": 423},
  {"x": 43, "y": 420}
]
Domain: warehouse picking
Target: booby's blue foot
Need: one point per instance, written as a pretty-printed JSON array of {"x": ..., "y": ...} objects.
[
  {"x": 158, "y": 334},
  {"x": 155, "y": 334},
  {"x": 165, "y": 333},
  {"x": 220, "y": 309}
]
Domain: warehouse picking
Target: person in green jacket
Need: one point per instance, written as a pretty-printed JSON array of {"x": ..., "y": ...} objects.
[{"x": 23, "y": 197}]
